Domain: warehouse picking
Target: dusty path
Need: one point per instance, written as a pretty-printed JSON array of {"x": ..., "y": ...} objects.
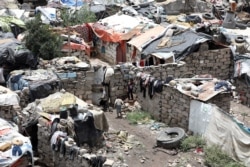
[
  {"x": 148, "y": 140},
  {"x": 147, "y": 137}
]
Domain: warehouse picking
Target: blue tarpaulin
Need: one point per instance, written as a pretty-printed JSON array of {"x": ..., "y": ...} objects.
[{"x": 72, "y": 3}]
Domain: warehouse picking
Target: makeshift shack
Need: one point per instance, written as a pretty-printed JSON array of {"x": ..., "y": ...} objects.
[
  {"x": 33, "y": 84},
  {"x": 77, "y": 123},
  {"x": 112, "y": 34}
]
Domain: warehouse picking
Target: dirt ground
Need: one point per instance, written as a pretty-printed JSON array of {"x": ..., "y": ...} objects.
[
  {"x": 142, "y": 153},
  {"x": 145, "y": 155}
]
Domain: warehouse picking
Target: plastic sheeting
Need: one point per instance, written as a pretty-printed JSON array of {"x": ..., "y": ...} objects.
[
  {"x": 48, "y": 14},
  {"x": 182, "y": 44},
  {"x": 14, "y": 54},
  {"x": 9, "y": 131},
  {"x": 199, "y": 117},
  {"x": 40, "y": 82},
  {"x": 8, "y": 97},
  {"x": 72, "y": 3},
  {"x": 221, "y": 129}
]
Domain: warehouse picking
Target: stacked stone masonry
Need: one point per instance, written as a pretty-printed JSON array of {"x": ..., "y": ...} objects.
[{"x": 55, "y": 158}]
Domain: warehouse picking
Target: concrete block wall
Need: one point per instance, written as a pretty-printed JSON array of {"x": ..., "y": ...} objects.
[
  {"x": 172, "y": 107},
  {"x": 175, "y": 107},
  {"x": 219, "y": 63}
]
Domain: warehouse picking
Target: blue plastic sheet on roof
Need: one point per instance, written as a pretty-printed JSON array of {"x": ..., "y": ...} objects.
[{"x": 72, "y": 3}]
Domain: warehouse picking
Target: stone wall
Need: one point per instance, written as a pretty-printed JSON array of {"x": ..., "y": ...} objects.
[
  {"x": 53, "y": 158},
  {"x": 117, "y": 86},
  {"x": 80, "y": 85},
  {"x": 219, "y": 63},
  {"x": 172, "y": 107},
  {"x": 110, "y": 51},
  {"x": 222, "y": 100}
]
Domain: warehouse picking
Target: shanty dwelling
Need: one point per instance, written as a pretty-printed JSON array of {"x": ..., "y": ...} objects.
[
  {"x": 113, "y": 32},
  {"x": 33, "y": 84},
  {"x": 65, "y": 130},
  {"x": 176, "y": 99},
  {"x": 173, "y": 43}
]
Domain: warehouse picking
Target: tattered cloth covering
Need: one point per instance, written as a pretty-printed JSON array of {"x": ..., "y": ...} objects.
[
  {"x": 8, "y": 97},
  {"x": 220, "y": 129},
  {"x": 54, "y": 102},
  {"x": 232, "y": 137}
]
